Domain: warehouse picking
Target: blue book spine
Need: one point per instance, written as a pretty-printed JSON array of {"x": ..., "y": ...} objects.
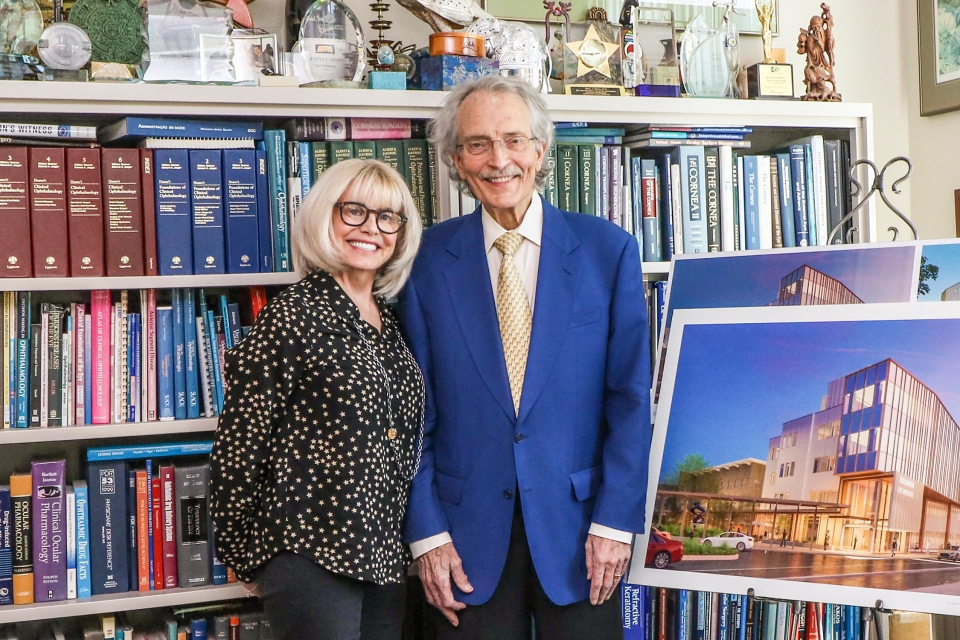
[
  {"x": 133, "y": 565},
  {"x": 661, "y": 304},
  {"x": 165, "y": 375},
  {"x": 631, "y": 597},
  {"x": 635, "y": 176},
  {"x": 590, "y": 139},
  {"x": 683, "y": 620},
  {"x": 699, "y": 632},
  {"x": 179, "y": 357},
  {"x": 666, "y": 208},
  {"x": 751, "y": 179},
  {"x": 651, "y": 224},
  {"x": 573, "y": 132},
  {"x": 206, "y": 203},
  {"x": 571, "y": 125},
  {"x": 81, "y": 498},
  {"x": 276, "y": 146},
  {"x": 192, "y": 360},
  {"x": 233, "y": 323},
  {"x": 811, "y": 196},
  {"x": 6, "y": 547},
  {"x": 134, "y": 126},
  {"x": 264, "y": 225},
  {"x": 723, "y": 616},
  {"x": 150, "y": 541},
  {"x": 215, "y": 353},
  {"x": 306, "y": 170},
  {"x": 198, "y": 629},
  {"x": 240, "y": 206},
  {"x": 109, "y": 527},
  {"x": 174, "y": 223},
  {"x": 786, "y": 200},
  {"x": 21, "y": 370},
  {"x": 218, "y": 570},
  {"x": 133, "y": 357},
  {"x": 87, "y": 374},
  {"x": 744, "y": 612},
  {"x": 798, "y": 176},
  {"x": 690, "y": 135},
  {"x": 840, "y": 622},
  {"x": 145, "y": 452},
  {"x": 692, "y": 161},
  {"x": 225, "y": 314}
]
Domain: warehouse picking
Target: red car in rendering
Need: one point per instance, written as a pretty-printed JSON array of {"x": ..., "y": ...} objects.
[{"x": 662, "y": 552}]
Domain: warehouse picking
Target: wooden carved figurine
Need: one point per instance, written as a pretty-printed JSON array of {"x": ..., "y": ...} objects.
[{"x": 817, "y": 42}]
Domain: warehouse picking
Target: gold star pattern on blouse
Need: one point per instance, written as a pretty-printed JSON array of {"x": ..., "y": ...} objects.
[{"x": 303, "y": 459}]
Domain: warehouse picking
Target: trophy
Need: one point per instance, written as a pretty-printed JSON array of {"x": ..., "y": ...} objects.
[
  {"x": 769, "y": 79},
  {"x": 650, "y": 51},
  {"x": 592, "y": 57},
  {"x": 331, "y": 45},
  {"x": 710, "y": 58}
]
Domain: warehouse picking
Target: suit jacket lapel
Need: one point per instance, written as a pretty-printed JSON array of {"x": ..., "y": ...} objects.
[
  {"x": 468, "y": 281},
  {"x": 556, "y": 289}
]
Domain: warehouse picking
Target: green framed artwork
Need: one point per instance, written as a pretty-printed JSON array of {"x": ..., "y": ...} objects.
[
  {"x": 683, "y": 11},
  {"x": 939, "y": 26}
]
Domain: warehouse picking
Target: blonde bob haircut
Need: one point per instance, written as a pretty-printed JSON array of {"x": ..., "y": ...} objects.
[{"x": 375, "y": 185}]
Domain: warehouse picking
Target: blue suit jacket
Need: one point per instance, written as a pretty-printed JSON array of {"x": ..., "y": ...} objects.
[{"x": 579, "y": 448}]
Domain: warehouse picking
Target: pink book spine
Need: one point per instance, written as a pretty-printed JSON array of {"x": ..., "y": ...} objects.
[
  {"x": 151, "y": 323},
  {"x": 379, "y": 128},
  {"x": 100, "y": 310},
  {"x": 79, "y": 332}
]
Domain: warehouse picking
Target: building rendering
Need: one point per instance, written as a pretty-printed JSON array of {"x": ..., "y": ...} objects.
[
  {"x": 883, "y": 447},
  {"x": 807, "y": 286},
  {"x": 951, "y": 293},
  {"x": 740, "y": 479}
]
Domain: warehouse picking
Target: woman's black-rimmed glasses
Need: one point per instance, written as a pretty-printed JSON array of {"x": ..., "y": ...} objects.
[{"x": 355, "y": 214}]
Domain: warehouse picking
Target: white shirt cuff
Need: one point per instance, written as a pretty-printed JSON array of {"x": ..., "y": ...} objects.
[
  {"x": 420, "y": 547},
  {"x": 613, "y": 534}
]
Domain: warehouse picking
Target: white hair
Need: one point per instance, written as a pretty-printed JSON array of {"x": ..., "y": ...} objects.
[{"x": 379, "y": 186}]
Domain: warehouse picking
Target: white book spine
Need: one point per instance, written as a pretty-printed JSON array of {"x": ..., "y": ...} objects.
[
  {"x": 820, "y": 187},
  {"x": 204, "y": 362},
  {"x": 676, "y": 208},
  {"x": 726, "y": 199},
  {"x": 71, "y": 506},
  {"x": 151, "y": 324},
  {"x": 44, "y": 365},
  {"x": 124, "y": 335},
  {"x": 87, "y": 348},
  {"x": 66, "y": 378},
  {"x": 116, "y": 375},
  {"x": 764, "y": 201},
  {"x": 144, "y": 355},
  {"x": 741, "y": 209}
]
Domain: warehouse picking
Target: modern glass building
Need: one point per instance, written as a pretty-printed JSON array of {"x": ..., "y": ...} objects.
[
  {"x": 806, "y": 285},
  {"x": 894, "y": 462}
]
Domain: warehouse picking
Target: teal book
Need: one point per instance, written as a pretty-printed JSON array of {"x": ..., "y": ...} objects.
[
  {"x": 588, "y": 181},
  {"x": 550, "y": 192},
  {"x": 568, "y": 183},
  {"x": 276, "y": 147}
]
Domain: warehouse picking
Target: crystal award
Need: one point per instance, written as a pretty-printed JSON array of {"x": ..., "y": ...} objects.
[
  {"x": 709, "y": 59},
  {"x": 331, "y": 43}
]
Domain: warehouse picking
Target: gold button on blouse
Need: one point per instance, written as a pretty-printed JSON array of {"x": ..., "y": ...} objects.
[{"x": 392, "y": 434}]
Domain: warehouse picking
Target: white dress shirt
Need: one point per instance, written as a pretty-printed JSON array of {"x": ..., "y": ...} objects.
[{"x": 527, "y": 260}]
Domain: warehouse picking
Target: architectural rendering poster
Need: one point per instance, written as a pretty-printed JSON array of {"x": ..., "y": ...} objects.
[
  {"x": 845, "y": 274},
  {"x": 810, "y": 454},
  {"x": 940, "y": 271}
]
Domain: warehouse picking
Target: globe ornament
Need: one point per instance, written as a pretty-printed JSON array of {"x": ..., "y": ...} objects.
[{"x": 115, "y": 28}]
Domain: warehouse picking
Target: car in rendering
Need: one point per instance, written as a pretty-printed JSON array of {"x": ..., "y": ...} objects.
[
  {"x": 949, "y": 552},
  {"x": 662, "y": 552},
  {"x": 733, "y": 539},
  {"x": 666, "y": 535}
]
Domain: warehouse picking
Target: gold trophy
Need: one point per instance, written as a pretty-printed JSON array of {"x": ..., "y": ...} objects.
[{"x": 769, "y": 79}]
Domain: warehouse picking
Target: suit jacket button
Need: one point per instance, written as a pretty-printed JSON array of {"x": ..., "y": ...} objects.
[
  {"x": 518, "y": 438},
  {"x": 508, "y": 494}
]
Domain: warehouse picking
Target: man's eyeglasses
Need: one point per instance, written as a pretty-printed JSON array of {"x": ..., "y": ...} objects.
[
  {"x": 482, "y": 146},
  {"x": 355, "y": 214}
]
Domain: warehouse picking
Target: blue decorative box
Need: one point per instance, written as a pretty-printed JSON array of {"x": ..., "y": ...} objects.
[
  {"x": 442, "y": 73},
  {"x": 396, "y": 80}
]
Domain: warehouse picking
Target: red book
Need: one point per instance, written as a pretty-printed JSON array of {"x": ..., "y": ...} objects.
[
  {"x": 169, "y": 539},
  {"x": 123, "y": 213},
  {"x": 157, "y": 511},
  {"x": 258, "y": 300},
  {"x": 143, "y": 533},
  {"x": 48, "y": 212},
  {"x": 85, "y": 212},
  {"x": 149, "y": 211},
  {"x": 16, "y": 260}
]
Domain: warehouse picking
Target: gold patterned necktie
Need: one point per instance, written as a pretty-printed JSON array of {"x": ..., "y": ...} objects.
[{"x": 513, "y": 314}]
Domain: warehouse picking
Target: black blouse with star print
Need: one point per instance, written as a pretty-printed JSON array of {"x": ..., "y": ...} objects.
[{"x": 305, "y": 458}]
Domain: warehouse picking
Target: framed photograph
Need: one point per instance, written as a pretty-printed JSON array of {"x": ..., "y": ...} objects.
[
  {"x": 237, "y": 58},
  {"x": 683, "y": 12},
  {"x": 809, "y": 453},
  {"x": 939, "y": 279},
  {"x": 866, "y": 273},
  {"x": 939, "y": 26}
]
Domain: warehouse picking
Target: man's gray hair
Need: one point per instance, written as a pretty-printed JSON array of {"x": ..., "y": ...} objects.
[{"x": 442, "y": 130}]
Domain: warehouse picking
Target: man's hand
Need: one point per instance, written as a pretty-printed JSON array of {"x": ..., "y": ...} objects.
[
  {"x": 437, "y": 568},
  {"x": 606, "y": 561}
]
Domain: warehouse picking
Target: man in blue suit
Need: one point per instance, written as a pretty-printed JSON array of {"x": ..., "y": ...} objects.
[{"x": 530, "y": 326}]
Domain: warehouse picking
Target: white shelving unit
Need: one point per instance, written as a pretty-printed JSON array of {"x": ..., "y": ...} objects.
[
  {"x": 774, "y": 123},
  {"x": 130, "y": 601}
]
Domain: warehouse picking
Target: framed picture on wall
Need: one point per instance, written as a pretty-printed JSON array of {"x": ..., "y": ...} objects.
[
  {"x": 684, "y": 11},
  {"x": 939, "y": 26}
]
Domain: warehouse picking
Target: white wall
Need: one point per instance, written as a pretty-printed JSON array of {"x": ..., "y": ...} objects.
[{"x": 876, "y": 50}]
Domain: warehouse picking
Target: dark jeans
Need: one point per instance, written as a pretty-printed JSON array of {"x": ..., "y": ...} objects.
[
  {"x": 304, "y": 600},
  {"x": 518, "y": 597}
]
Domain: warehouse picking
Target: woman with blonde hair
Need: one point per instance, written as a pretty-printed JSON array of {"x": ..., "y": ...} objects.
[{"x": 318, "y": 440}]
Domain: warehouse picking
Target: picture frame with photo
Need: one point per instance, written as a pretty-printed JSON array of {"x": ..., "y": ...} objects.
[
  {"x": 238, "y": 58},
  {"x": 939, "y": 40}
]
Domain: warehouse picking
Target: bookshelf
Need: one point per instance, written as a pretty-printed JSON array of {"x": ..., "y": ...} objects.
[{"x": 774, "y": 123}]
